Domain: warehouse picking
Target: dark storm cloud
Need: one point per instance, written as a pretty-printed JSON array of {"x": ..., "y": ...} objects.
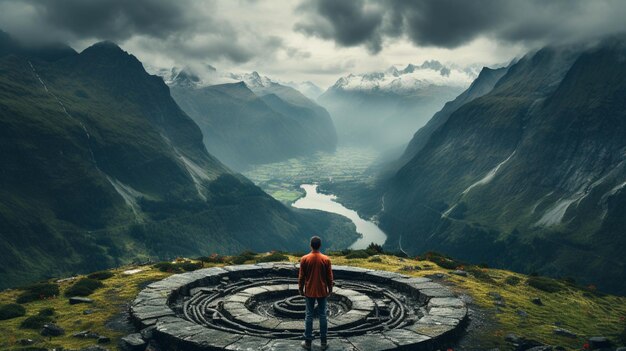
[
  {"x": 190, "y": 28},
  {"x": 115, "y": 19},
  {"x": 451, "y": 23},
  {"x": 348, "y": 22},
  {"x": 110, "y": 19}
]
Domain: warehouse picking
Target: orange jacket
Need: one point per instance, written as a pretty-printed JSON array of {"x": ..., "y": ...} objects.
[{"x": 316, "y": 275}]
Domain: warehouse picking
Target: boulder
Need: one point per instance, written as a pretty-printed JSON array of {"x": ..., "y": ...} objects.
[
  {"x": 79, "y": 299},
  {"x": 512, "y": 338},
  {"x": 52, "y": 330},
  {"x": 599, "y": 342},
  {"x": 103, "y": 339},
  {"x": 80, "y": 334},
  {"x": 132, "y": 342},
  {"x": 564, "y": 332},
  {"x": 148, "y": 332},
  {"x": 459, "y": 272},
  {"x": 94, "y": 348},
  {"x": 521, "y": 343},
  {"x": 522, "y": 313},
  {"x": 494, "y": 295},
  {"x": 436, "y": 276},
  {"x": 499, "y": 303},
  {"x": 26, "y": 342}
]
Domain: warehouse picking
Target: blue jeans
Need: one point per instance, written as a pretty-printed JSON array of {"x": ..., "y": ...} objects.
[{"x": 308, "y": 319}]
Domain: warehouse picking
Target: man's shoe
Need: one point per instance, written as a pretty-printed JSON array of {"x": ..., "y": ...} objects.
[
  {"x": 306, "y": 344},
  {"x": 324, "y": 344}
]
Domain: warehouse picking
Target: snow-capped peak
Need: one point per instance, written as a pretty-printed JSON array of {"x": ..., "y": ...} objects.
[
  {"x": 408, "y": 80},
  {"x": 253, "y": 80},
  {"x": 393, "y": 71},
  {"x": 209, "y": 75}
]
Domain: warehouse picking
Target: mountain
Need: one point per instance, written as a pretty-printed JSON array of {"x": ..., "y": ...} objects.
[
  {"x": 483, "y": 84},
  {"x": 528, "y": 176},
  {"x": 382, "y": 109},
  {"x": 309, "y": 89},
  {"x": 46, "y": 51},
  {"x": 255, "y": 120},
  {"x": 101, "y": 166}
]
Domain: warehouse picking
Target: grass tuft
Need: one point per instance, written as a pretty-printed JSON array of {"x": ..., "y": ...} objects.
[
  {"x": 39, "y": 291},
  {"x": 512, "y": 280},
  {"x": 243, "y": 257},
  {"x": 273, "y": 257},
  {"x": 442, "y": 261},
  {"x": 358, "y": 254},
  {"x": 544, "y": 284},
  {"x": 83, "y": 287},
  {"x": 214, "y": 258},
  {"x": 102, "y": 275},
  {"x": 35, "y": 322},
  {"x": 11, "y": 310}
]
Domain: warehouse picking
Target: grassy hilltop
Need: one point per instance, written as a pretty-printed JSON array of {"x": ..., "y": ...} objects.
[{"x": 500, "y": 301}]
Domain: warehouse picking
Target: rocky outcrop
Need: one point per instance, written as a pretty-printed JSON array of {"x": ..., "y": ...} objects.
[{"x": 159, "y": 307}]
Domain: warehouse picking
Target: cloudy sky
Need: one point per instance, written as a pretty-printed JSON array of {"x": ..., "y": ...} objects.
[{"x": 317, "y": 40}]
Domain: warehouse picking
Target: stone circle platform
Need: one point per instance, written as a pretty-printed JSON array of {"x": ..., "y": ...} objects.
[{"x": 257, "y": 307}]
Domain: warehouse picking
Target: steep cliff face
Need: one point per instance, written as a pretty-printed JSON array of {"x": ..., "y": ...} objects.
[
  {"x": 528, "y": 175},
  {"x": 483, "y": 84}
]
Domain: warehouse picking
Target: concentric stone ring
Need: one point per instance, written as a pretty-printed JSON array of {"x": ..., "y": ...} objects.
[{"x": 257, "y": 307}]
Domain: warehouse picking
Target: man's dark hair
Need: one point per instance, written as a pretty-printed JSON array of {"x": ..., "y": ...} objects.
[{"x": 316, "y": 242}]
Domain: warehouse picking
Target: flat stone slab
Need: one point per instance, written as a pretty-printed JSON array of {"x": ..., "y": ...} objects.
[
  {"x": 236, "y": 308},
  {"x": 372, "y": 342},
  {"x": 406, "y": 337},
  {"x": 79, "y": 299},
  {"x": 452, "y": 302}
]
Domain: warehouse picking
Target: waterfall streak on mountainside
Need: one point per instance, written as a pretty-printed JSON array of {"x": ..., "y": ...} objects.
[
  {"x": 93, "y": 157},
  {"x": 555, "y": 215},
  {"x": 129, "y": 195},
  {"x": 489, "y": 176},
  {"x": 540, "y": 201},
  {"x": 613, "y": 191},
  {"x": 196, "y": 172},
  {"x": 447, "y": 213}
]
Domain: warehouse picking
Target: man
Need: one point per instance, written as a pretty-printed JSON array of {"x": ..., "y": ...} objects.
[{"x": 315, "y": 282}]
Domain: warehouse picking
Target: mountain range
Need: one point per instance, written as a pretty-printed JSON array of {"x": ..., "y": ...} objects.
[
  {"x": 526, "y": 169},
  {"x": 383, "y": 109},
  {"x": 101, "y": 166},
  {"x": 254, "y": 120}
]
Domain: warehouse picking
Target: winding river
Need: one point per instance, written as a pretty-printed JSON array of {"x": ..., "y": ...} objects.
[{"x": 316, "y": 201}]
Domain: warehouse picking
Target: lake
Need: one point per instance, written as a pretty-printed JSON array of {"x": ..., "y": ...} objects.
[{"x": 314, "y": 200}]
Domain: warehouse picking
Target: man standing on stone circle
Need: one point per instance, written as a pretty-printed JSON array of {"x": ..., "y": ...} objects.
[{"x": 315, "y": 282}]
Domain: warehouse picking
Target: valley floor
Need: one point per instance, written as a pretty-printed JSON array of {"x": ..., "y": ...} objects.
[{"x": 282, "y": 180}]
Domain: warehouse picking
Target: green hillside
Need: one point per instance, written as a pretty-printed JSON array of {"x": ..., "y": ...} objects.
[{"x": 101, "y": 167}]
